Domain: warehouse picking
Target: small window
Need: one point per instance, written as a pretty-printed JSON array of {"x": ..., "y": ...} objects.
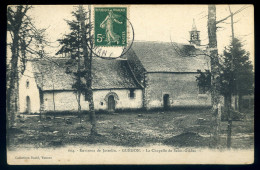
[
  {"x": 132, "y": 93},
  {"x": 27, "y": 84}
]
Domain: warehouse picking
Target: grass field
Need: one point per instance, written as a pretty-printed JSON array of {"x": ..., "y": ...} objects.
[{"x": 175, "y": 128}]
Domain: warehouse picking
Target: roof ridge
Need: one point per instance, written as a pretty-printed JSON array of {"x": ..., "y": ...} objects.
[{"x": 163, "y": 42}]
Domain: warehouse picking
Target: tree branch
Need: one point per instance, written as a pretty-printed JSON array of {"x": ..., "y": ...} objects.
[{"x": 241, "y": 9}]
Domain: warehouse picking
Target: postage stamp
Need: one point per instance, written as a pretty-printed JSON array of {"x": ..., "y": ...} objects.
[{"x": 110, "y": 26}]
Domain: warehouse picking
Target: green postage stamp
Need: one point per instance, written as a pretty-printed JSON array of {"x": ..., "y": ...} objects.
[{"x": 110, "y": 26}]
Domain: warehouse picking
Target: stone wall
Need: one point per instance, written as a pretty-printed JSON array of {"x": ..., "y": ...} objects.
[
  {"x": 31, "y": 90},
  {"x": 122, "y": 102},
  {"x": 62, "y": 101},
  {"x": 66, "y": 100},
  {"x": 181, "y": 87}
]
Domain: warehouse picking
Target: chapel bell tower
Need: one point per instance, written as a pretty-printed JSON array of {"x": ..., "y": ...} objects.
[{"x": 194, "y": 35}]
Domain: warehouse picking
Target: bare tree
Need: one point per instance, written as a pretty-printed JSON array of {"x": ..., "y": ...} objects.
[
  {"x": 15, "y": 17},
  {"x": 238, "y": 70},
  {"x": 23, "y": 35},
  {"x": 216, "y": 75},
  {"x": 214, "y": 62},
  {"x": 229, "y": 97}
]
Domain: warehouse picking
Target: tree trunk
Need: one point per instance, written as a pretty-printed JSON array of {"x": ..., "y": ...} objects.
[
  {"x": 231, "y": 82},
  {"x": 229, "y": 128},
  {"x": 239, "y": 102},
  {"x": 88, "y": 75},
  {"x": 214, "y": 71},
  {"x": 79, "y": 106},
  {"x": 15, "y": 19},
  {"x": 92, "y": 114},
  {"x": 12, "y": 89},
  {"x": 79, "y": 82},
  {"x": 236, "y": 102}
]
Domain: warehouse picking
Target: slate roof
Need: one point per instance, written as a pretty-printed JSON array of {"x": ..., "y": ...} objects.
[
  {"x": 170, "y": 57},
  {"x": 51, "y": 74}
]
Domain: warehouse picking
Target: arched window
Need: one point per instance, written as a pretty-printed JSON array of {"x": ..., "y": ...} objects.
[
  {"x": 27, "y": 84},
  {"x": 28, "y": 104}
]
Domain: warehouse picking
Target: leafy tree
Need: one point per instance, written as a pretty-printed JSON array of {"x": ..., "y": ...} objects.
[
  {"x": 204, "y": 80},
  {"x": 240, "y": 80},
  {"x": 237, "y": 81},
  {"x": 71, "y": 46},
  {"x": 72, "y": 42},
  {"x": 78, "y": 44}
]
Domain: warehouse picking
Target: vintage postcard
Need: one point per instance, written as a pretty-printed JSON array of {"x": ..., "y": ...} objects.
[{"x": 130, "y": 84}]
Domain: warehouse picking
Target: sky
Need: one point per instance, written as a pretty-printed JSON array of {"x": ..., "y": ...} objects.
[{"x": 158, "y": 23}]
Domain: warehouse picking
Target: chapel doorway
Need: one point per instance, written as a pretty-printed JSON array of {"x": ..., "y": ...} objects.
[
  {"x": 166, "y": 101},
  {"x": 111, "y": 103},
  {"x": 28, "y": 104}
]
